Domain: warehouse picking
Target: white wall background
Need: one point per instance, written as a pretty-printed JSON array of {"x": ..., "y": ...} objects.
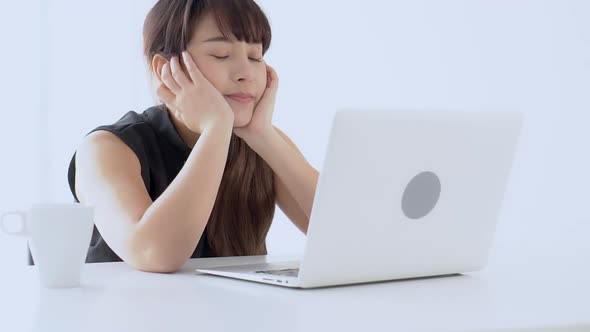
[{"x": 532, "y": 56}]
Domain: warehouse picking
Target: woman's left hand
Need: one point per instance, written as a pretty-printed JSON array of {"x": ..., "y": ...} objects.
[{"x": 261, "y": 122}]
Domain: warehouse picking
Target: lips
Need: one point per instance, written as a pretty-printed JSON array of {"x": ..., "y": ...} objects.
[{"x": 241, "y": 97}]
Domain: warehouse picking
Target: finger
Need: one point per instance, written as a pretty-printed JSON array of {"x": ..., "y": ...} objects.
[
  {"x": 178, "y": 74},
  {"x": 165, "y": 95},
  {"x": 193, "y": 71},
  {"x": 272, "y": 76},
  {"x": 168, "y": 80}
]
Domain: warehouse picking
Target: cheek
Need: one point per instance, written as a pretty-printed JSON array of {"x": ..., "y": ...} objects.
[{"x": 212, "y": 71}]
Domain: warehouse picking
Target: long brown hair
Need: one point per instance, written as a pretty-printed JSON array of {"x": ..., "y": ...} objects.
[{"x": 245, "y": 203}]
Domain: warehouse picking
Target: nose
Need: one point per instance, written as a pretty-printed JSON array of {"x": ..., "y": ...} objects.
[{"x": 243, "y": 70}]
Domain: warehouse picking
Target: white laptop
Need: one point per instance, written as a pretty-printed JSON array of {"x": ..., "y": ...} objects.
[{"x": 402, "y": 194}]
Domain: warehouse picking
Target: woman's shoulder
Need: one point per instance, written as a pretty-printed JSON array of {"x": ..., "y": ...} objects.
[
  {"x": 130, "y": 122},
  {"x": 101, "y": 155},
  {"x": 124, "y": 140},
  {"x": 133, "y": 129},
  {"x": 123, "y": 145},
  {"x": 130, "y": 138}
]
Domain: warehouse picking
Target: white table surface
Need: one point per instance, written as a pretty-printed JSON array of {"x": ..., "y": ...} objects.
[{"x": 521, "y": 288}]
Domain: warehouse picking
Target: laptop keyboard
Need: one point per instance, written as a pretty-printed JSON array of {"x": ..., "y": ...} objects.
[{"x": 282, "y": 272}]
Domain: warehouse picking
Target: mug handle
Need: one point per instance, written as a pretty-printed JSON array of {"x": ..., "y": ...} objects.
[{"x": 23, "y": 225}]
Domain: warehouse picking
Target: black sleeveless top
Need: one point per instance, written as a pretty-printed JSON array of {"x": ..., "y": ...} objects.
[{"x": 162, "y": 153}]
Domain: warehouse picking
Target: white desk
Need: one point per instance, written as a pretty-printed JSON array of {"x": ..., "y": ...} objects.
[{"x": 518, "y": 289}]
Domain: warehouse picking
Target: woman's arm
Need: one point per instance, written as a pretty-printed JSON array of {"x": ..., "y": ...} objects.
[
  {"x": 298, "y": 179},
  {"x": 154, "y": 236}
]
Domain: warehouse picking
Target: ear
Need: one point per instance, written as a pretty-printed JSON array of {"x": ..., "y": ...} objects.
[{"x": 158, "y": 62}]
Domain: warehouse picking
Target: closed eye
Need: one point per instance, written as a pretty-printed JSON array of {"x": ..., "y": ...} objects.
[{"x": 227, "y": 56}]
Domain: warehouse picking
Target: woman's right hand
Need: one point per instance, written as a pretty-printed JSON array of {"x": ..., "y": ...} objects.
[{"x": 193, "y": 100}]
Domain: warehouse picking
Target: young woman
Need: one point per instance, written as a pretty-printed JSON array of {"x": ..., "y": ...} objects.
[{"x": 199, "y": 175}]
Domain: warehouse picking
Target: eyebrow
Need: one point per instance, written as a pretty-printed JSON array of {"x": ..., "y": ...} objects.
[
  {"x": 221, "y": 39},
  {"x": 217, "y": 39}
]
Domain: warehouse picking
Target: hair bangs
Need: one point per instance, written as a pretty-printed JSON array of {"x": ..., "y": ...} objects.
[{"x": 244, "y": 19}]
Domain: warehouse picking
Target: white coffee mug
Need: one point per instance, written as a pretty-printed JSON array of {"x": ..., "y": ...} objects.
[{"x": 59, "y": 237}]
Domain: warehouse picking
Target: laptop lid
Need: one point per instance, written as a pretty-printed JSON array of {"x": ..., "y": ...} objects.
[{"x": 408, "y": 194}]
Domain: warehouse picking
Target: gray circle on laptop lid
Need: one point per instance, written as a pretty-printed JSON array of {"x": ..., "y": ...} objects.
[{"x": 421, "y": 195}]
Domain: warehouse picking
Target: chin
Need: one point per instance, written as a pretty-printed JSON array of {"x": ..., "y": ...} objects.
[{"x": 241, "y": 118}]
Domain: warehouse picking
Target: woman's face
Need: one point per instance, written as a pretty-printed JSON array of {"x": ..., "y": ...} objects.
[{"x": 230, "y": 65}]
